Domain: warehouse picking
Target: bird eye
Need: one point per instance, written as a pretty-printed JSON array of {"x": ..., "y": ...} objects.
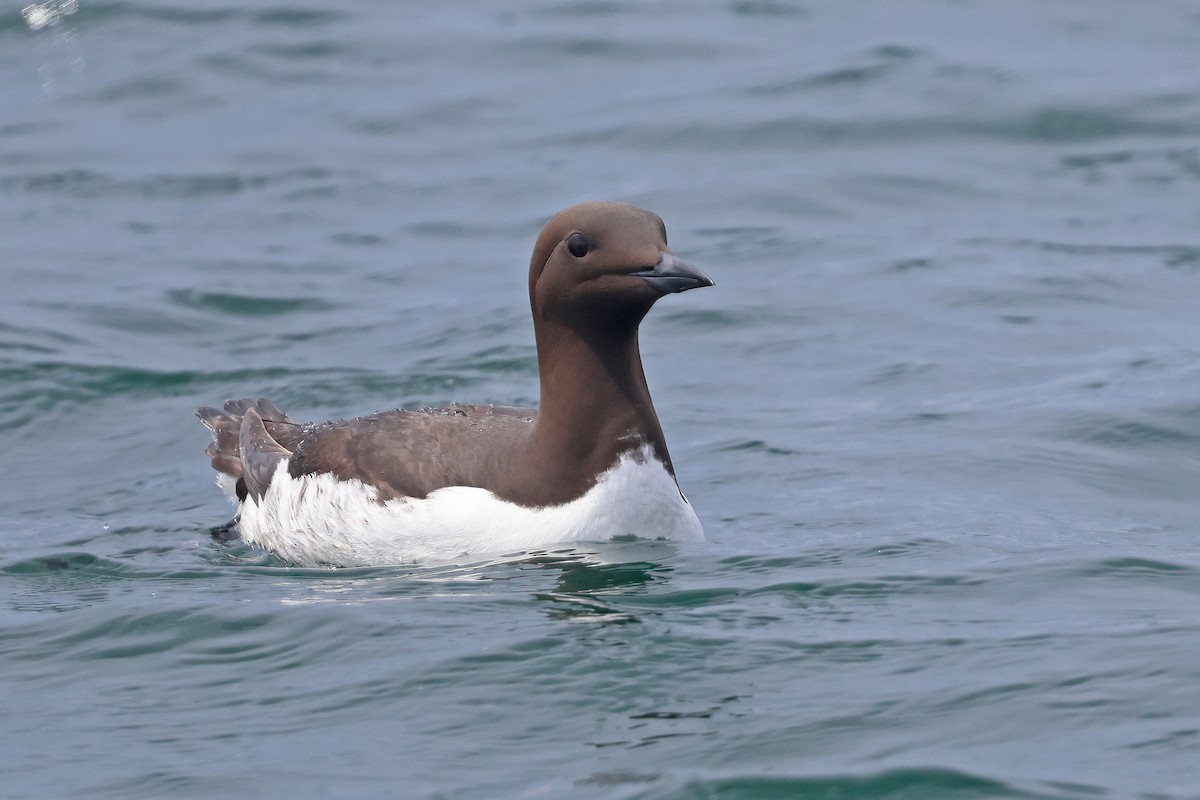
[{"x": 577, "y": 245}]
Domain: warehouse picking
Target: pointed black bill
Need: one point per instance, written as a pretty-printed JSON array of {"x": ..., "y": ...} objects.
[{"x": 672, "y": 274}]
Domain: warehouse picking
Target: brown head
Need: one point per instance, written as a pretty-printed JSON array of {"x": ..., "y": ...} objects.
[
  {"x": 597, "y": 268},
  {"x": 602, "y": 265}
]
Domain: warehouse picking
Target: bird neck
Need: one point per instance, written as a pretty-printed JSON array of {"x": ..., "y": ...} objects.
[{"x": 595, "y": 404}]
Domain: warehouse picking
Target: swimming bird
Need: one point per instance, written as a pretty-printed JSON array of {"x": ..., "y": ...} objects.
[{"x": 400, "y": 486}]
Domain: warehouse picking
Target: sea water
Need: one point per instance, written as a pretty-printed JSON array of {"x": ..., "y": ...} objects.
[{"x": 940, "y": 416}]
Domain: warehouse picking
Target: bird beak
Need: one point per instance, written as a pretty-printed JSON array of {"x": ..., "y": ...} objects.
[{"x": 673, "y": 274}]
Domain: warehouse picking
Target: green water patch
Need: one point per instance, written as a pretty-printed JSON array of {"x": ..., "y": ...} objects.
[
  {"x": 534, "y": 51},
  {"x": 72, "y": 566},
  {"x": 1142, "y": 569},
  {"x": 28, "y": 391},
  {"x": 43, "y": 384},
  {"x": 70, "y": 580},
  {"x": 239, "y": 305},
  {"x": 78, "y": 563},
  {"x": 301, "y": 51},
  {"x": 1136, "y": 165},
  {"x": 902, "y": 784},
  {"x": 34, "y": 340},
  {"x": 354, "y": 239},
  {"x": 1168, "y": 428},
  {"x": 141, "y": 633},
  {"x": 502, "y": 359},
  {"x": 767, "y": 9},
  {"x": 293, "y": 17},
  {"x": 155, "y": 87}
]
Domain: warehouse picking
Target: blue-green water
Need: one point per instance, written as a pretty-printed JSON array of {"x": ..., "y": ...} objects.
[{"x": 940, "y": 416}]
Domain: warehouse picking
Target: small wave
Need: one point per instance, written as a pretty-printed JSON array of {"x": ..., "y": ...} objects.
[
  {"x": 1128, "y": 433},
  {"x": 246, "y": 305},
  {"x": 40, "y": 384},
  {"x": 84, "y": 183},
  {"x": 1173, "y": 256},
  {"x": 754, "y": 446},
  {"x": 769, "y": 9},
  {"x": 1043, "y": 125},
  {"x": 536, "y": 51},
  {"x": 885, "y": 60},
  {"x": 1136, "y": 164},
  {"x": 75, "y": 562},
  {"x": 1141, "y": 568},
  {"x": 31, "y": 390},
  {"x": 298, "y": 17},
  {"x": 927, "y": 784},
  {"x": 282, "y": 17}
]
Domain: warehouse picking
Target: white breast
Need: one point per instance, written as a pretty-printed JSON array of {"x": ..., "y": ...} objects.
[{"x": 317, "y": 519}]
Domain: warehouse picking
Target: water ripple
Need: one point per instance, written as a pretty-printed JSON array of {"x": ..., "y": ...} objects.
[
  {"x": 87, "y": 184},
  {"x": 934, "y": 784}
]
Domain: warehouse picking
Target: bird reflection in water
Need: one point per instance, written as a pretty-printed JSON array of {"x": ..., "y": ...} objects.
[{"x": 590, "y": 585}]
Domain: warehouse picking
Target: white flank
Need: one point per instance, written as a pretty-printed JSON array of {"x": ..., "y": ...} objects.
[
  {"x": 228, "y": 485},
  {"x": 317, "y": 519}
]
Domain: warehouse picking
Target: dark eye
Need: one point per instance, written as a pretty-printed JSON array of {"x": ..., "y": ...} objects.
[{"x": 577, "y": 245}]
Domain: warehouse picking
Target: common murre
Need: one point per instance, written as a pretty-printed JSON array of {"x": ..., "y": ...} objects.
[{"x": 589, "y": 464}]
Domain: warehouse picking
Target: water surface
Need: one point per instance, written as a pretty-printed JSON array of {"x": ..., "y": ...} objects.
[{"x": 940, "y": 416}]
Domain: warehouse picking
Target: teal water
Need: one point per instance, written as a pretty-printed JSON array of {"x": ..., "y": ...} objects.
[{"x": 940, "y": 416}]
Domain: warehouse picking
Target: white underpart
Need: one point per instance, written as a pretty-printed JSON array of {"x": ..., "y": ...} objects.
[
  {"x": 228, "y": 485},
  {"x": 318, "y": 519}
]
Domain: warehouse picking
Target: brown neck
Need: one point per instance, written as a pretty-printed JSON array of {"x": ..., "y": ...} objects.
[{"x": 594, "y": 402}]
